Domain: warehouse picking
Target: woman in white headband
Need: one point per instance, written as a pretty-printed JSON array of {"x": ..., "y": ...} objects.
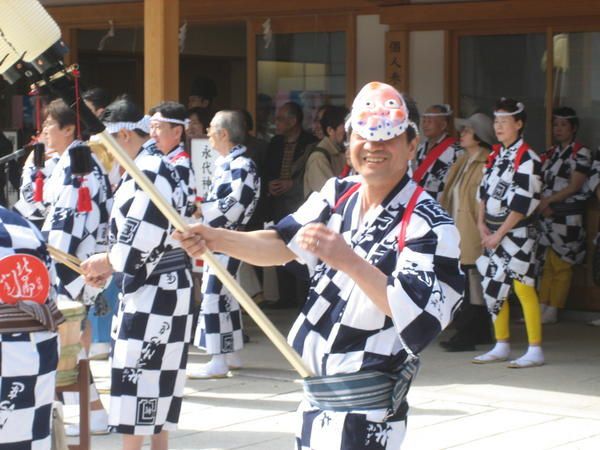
[
  {"x": 509, "y": 195},
  {"x": 562, "y": 238}
]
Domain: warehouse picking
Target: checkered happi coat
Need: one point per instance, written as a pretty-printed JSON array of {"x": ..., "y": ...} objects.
[
  {"x": 81, "y": 234},
  {"x": 340, "y": 330},
  {"x": 504, "y": 190},
  {"x": 230, "y": 204},
  {"x": 27, "y": 360},
  {"x": 565, "y": 234},
  {"x": 26, "y": 206},
  {"x": 152, "y": 329},
  {"x": 594, "y": 179},
  {"x": 182, "y": 163},
  {"x": 434, "y": 179}
]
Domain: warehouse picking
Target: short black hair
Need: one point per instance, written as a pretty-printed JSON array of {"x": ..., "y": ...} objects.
[
  {"x": 566, "y": 111},
  {"x": 170, "y": 110},
  {"x": 97, "y": 96},
  {"x": 123, "y": 109},
  {"x": 294, "y": 110},
  {"x": 333, "y": 117},
  {"x": 511, "y": 105},
  {"x": 204, "y": 115},
  {"x": 58, "y": 110},
  {"x": 413, "y": 109}
]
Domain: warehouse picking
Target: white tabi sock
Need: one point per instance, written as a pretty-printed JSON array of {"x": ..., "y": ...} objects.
[{"x": 500, "y": 352}]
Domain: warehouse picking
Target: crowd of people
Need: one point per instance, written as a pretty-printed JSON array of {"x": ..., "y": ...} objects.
[{"x": 376, "y": 227}]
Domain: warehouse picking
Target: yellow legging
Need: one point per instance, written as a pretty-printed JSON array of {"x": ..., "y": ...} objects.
[
  {"x": 556, "y": 280},
  {"x": 531, "y": 311}
]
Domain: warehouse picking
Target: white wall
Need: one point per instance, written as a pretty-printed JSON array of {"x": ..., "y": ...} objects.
[
  {"x": 426, "y": 67},
  {"x": 370, "y": 49}
]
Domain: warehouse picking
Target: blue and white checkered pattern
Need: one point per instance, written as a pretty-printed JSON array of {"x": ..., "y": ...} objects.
[
  {"x": 340, "y": 330},
  {"x": 594, "y": 179},
  {"x": 81, "y": 234},
  {"x": 504, "y": 190},
  {"x": 434, "y": 179},
  {"x": 152, "y": 329},
  {"x": 565, "y": 234},
  {"x": 230, "y": 204},
  {"x": 27, "y": 360},
  {"x": 182, "y": 163},
  {"x": 26, "y": 206}
]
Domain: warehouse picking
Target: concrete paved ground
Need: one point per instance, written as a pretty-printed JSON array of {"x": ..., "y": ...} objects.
[{"x": 454, "y": 404}]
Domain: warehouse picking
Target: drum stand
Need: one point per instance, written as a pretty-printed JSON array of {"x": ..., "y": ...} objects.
[{"x": 82, "y": 386}]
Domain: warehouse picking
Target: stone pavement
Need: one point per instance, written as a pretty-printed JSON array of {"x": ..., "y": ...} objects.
[{"x": 454, "y": 404}]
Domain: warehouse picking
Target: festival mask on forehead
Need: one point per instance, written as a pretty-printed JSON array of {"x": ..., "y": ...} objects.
[{"x": 379, "y": 112}]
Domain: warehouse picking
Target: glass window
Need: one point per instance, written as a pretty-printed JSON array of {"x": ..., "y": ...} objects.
[
  {"x": 307, "y": 68},
  {"x": 505, "y": 66},
  {"x": 577, "y": 80}
]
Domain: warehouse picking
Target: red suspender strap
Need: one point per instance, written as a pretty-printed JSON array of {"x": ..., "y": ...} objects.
[
  {"x": 576, "y": 147},
  {"x": 181, "y": 155},
  {"x": 492, "y": 156},
  {"x": 345, "y": 195},
  {"x": 524, "y": 148},
  {"x": 406, "y": 217},
  {"x": 345, "y": 171},
  {"x": 433, "y": 154},
  {"x": 496, "y": 150}
]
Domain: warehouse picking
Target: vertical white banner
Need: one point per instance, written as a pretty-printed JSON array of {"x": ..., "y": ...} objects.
[{"x": 203, "y": 162}]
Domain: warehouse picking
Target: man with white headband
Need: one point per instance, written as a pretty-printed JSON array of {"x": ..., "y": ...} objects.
[
  {"x": 152, "y": 329},
  {"x": 168, "y": 121},
  {"x": 437, "y": 152},
  {"x": 565, "y": 169},
  {"x": 509, "y": 195},
  {"x": 384, "y": 260}
]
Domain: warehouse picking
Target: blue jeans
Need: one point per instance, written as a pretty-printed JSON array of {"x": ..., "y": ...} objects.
[{"x": 101, "y": 325}]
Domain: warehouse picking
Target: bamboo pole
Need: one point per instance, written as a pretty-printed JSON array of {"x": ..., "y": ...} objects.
[
  {"x": 70, "y": 261},
  {"x": 228, "y": 281}
]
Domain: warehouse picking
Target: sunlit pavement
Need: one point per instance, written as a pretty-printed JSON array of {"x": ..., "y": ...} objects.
[{"x": 454, "y": 404}]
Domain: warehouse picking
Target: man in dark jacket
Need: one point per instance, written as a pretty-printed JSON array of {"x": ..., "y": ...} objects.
[{"x": 285, "y": 190}]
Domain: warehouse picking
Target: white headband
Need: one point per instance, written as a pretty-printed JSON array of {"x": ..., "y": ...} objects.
[
  {"x": 448, "y": 112},
  {"x": 564, "y": 117},
  {"x": 160, "y": 118},
  {"x": 143, "y": 124},
  {"x": 520, "y": 109}
]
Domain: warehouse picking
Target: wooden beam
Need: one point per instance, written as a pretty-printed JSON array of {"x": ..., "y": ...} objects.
[
  {"x": 251, "y": 68},
  {"x": 351, "y": 87},
  {"x": 455, "y": 15},
  {"x": 69, "y": 36},
  {"x": 161, "y": 51},
  {"x": 549, "y": 84},
  {"x": 97, "y": 16},
  {"x": 193, "y": 9}
]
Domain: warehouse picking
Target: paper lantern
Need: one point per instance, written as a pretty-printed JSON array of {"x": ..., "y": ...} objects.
[{"x": 30, "y": 34}]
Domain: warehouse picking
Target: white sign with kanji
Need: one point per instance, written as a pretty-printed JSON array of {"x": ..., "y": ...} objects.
[{"x": 203, "y": 162}]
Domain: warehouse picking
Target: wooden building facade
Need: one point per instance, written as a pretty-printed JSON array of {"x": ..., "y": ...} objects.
[{"x": 465, "y": 53}]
